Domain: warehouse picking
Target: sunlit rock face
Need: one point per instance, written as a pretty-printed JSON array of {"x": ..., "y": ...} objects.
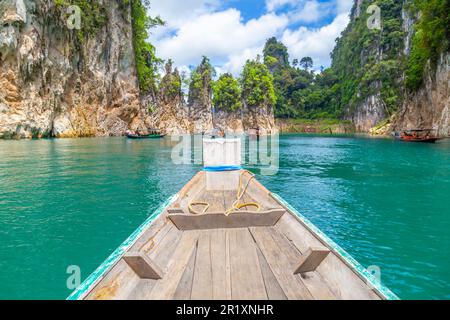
[
  {"x": 52, "y": 85},
  {"x": 429, "y": 108},
  {"x": 13, "y": 16}
]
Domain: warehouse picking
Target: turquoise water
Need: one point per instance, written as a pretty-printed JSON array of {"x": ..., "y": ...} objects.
[{"x": 72, "y": 202}]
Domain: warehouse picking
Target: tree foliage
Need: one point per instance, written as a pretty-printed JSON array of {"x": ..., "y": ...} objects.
[
  {"x": 367, "y": 61},
  {"x": 431, "y": 38},
  {"x": 227, "y": 94},
  {"x": 147, "y": 63},
  {"x": 200, "y": 88},
  {"x": 307, "y": 63},
  {"x": 299, "y": 93},
  {"x": 257, "y": 85},
  {"x": 170, "y": 86}
]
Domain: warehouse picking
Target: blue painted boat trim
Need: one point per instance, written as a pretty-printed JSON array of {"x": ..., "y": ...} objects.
[
  {"x": 369, "y": 278},
  {"x": 101, "y": 271},
  {"x": 222, "y": 168}
]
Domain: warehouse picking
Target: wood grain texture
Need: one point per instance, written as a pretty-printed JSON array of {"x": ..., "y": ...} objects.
[
  {"x": 241, "y": 219},
  {"x": 220, "y": 265},
  {"x": 202, "y": 287},
  {"x": 311, "y": 259},
  {"x": 165, "y": 289},
  {"x": 246, "y": 277},
  {"x": 312, "y": 280},
  {"x": 279, "y": 264},
  {"x": 144, "y": 267}
]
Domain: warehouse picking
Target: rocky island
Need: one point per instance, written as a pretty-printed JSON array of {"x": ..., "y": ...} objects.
[{"x": 104, "y": 78}]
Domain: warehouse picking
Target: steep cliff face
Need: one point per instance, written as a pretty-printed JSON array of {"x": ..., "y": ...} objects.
[
  {"x": 248, "y": 118},
  {"x": 429, "y": 107},
  {"x": 376, "y": 65},
  {"x": 174, "y": 115},
  {"x": 368, "y": 114},
  {"x": 55, "y": 82},
  {"x": 200, "y": 98},
  {"x": 171, "y": 113},
  {"x": 367, "y": 61}
]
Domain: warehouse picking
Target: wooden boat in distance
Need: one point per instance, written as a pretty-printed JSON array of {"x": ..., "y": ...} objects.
[
  {"x": 422, "y": 135},
  {"x": 146, "y": 136},
  {"x": 195, "y": 247}
]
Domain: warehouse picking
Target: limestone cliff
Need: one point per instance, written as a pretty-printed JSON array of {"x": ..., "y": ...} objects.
[
  {"x": 174, "y": 115},
  {"x": 170, "y": 113},
  {"x": 241, "y": 121},
  {"x": 429, "y": 107},
  {"x": 55, "y": 83},
  {"x": 372, "y": 64}
]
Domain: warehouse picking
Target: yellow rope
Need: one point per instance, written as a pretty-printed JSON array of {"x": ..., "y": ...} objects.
[
  {"x": 239, "y": 195},
  {"x": 197, "y": 203},
  {"x": 236, "y": 205}
]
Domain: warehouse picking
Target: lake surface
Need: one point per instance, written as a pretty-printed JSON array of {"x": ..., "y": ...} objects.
[{"x": 72, "y": 202}]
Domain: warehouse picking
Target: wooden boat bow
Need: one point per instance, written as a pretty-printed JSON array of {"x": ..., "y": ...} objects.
[{"x": 272, "y": 254}]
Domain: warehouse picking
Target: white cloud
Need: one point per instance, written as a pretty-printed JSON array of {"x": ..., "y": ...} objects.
[
  {"x": 203, "y": 27},
  {"x": 176, "y": 12},
  {"x": 344, "y": 6},
  {"x": 273, "y": 5},
  {"x": 236, "y": 61},
  {"x": 315, "y": 43},
  {"x": 222, "y": 36},
  {"x": 312, "y": 11}
]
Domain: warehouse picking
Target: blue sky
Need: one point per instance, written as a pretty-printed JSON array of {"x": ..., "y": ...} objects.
[{"x": 231, "y": 31}]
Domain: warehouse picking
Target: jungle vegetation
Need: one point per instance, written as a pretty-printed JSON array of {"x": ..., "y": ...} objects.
[{"x": 364, "y": 62}]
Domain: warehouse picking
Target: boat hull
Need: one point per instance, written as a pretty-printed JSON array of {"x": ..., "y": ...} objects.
[
  {"x": 425, "y": 140},
  {"x": 152, "y": 136},
  {"x": 237, "y": 257}
]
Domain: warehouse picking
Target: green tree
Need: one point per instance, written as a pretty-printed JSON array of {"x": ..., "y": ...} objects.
[
  {"x": 200, "y": 88},
  {"x": 307, "y": 63},
  {"x": 432, "y": 37},
  {"x": 275, "y": 55},
  {"x": 147, "y": 63},
  {"x": 170, "y": 86},
  {"x": 227, "y": 94},
  {"x": 257, "y": 85}
]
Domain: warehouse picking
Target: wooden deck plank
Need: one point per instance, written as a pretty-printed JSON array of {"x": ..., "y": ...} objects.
[
  {"x": 220, "y": 265},
  {"x": 158, "y": 229},
  {"x": 246, "y": 277},
  {"x": 229, "y": 197},
  {"x": 161, "y": 251},
  {"x": 341, "y": 279},
  {"x": 278, "y": 262},
  {"x": 116, "y": 285},
  {"x": 184, "y": 288},
  {"x": 312, "y": 280},
  {"x": 228, "y": 264},
  {"x": 215, "y": 200},
  {"x": 273, "y": 288},
  {"x": 165, "y": 289},
  {"x": 202, "y": 283}
]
